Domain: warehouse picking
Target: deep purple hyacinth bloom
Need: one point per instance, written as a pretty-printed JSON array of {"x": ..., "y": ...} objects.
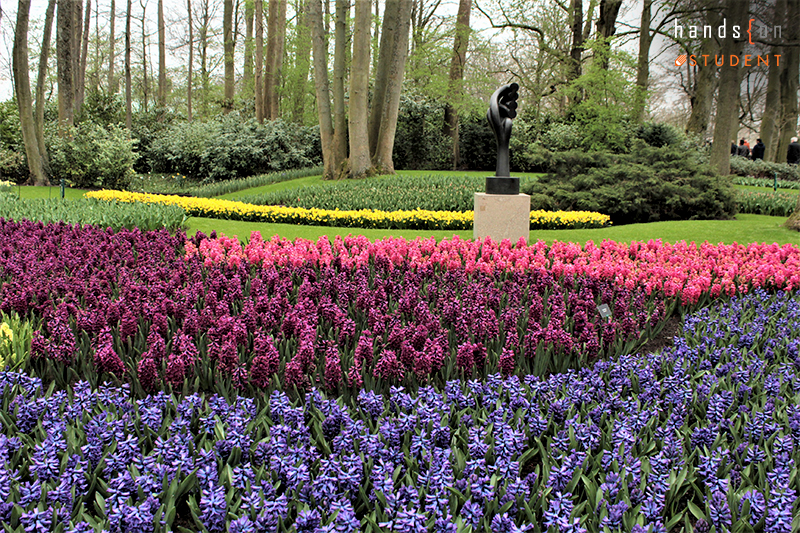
[
  {"x": 719, "y": 512},
  {"x": 213, "y": 506},
  {"x": 36, "y": 521}
]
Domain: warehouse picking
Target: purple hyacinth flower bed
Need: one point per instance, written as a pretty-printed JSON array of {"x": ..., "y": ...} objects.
[{"x": 702, "y": 436}]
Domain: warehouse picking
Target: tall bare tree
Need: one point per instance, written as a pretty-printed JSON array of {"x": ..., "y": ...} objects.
[
  {"x": 80, "y": 85},
  {"x": 391, "y": 21},
  {"x": 145, "y": 82},
  {"x": 302, "y": 48},
  {"x": 64, "y": 52},
  {"x": 789, "y": 81},
  {"x": 40, "y": 83},
  {"x": 770, "y": 118},
  {"x": 729, "y": 81},
  {"x": 258, "y": 88},
  {"x": 276, "y": 37},
  {"x": 330, "y": 158},
  {"x": 191, "y": 63},
  {"x": 459, "y": 58},
  {"x": 247, "y": 77},
  {"x": 162, "y": 62},
  {"x": 227, "y": 33},
  {"x": 128, "y": 80},
  {"x": 643, "y": 63},
  {"x": 112, "y": 81},
  {"x": 384, "y": 145},
  {"x": 22, "y": 87},
  {"x": 339, "y": 71},
  {"x": 360, "y": 164}
]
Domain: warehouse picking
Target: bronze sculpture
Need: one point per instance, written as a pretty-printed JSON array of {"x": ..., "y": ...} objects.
[{"x": 502, "y": 109}]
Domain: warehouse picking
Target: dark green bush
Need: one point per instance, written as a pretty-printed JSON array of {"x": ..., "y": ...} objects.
[
  {"x": 102, "y": 213},
  {"x": 658, "y": 134},
  {"x": 13, "y": 166},
  {"x": 741, "y": 166},
  {"x": 650, "y": 184},
  {"x": 228, "y": 147},
  {"x": 92, "y": 156}
]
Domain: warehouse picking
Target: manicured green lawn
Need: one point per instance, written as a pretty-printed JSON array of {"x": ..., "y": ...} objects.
[
  {"x": 46, "y": 192},
  {"x": 744, "y": 229}
]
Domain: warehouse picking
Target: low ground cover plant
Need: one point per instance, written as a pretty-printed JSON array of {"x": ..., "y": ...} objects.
[
  {"x": 766, "y": 170},
  {"x": 766, "y": 182},
  {"x": 702, "y": 436},
  {"x": 365, "y": 218},
  {"x": 395, "y": 193},
  {"x": 86, "y": 211}
]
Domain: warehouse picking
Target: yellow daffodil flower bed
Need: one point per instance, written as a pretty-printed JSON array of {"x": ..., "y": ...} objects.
[{"x": 365, "y": 218}]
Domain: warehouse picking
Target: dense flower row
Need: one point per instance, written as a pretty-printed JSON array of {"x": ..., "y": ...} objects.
[
  {"x": 705, "y": 434},
  {"x": 688, "y": 271},
  {"x": 365, "y": 218},
  {"x": 142, "y": 312}
]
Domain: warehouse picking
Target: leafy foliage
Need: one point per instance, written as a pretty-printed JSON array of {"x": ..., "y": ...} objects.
[
  {"x": 92, "y": 156},
  {"x": 648, "y": 185},
  {"x": 766, "y": 182},
  {"x": 760, "y": 169},
  {"x": 228, "y": 147},
  {"x": 774, "y": 204},
  {"x": 114, "y": 215}
]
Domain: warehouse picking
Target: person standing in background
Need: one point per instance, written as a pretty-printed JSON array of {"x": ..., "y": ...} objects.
[
  {"x": 758, "y": 150},
  {"x": 793, "y": 154},
  {"x": 744, "y": 150}
]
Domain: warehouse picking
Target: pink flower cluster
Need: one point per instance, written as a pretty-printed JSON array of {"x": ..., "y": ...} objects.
[{"x": 687, "y": 270}]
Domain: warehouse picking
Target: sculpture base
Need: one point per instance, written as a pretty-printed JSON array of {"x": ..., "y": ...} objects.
[
  {"x": 506, "y": 185},
  {"x": 502, "y": 216}
]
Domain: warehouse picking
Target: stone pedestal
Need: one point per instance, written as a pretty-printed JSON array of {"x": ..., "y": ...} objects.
[{"x": 502, "y": 216}]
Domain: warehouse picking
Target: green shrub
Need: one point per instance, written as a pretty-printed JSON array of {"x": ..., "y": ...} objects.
[
  {"x": 650, "y": 184},
  {"x": 92, "y": 156},
  {"x": 228, "y": 147},
  {"x": 114, "y": 215},
  {"x": 658, "y": 134},
  {"x": 433, "y": 193},
  {"x": 741, "y": 166},
  {"x": 13, "y": 166},
  {"x": 561, "y": 137},
  {"x": 774, "y": 204}
]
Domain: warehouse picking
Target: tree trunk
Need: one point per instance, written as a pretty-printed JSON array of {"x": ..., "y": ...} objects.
[
  {"x": 794, "y": 219},
  {"x": 112, "y": 82},
  {"x": 128, "y": 81},
  {"x": 204, "y": 75},
  {"x": 191, "y": 63},
  {"x": 460, "y": 45},
  {"x": 22, "y": 87},
  {"x": 360, "y": 163},
  {"x": 789, "y": 81},
  {"x": 259, "y": 81},
  {"x": 702, "y": 96},
  {"x": 394, "y": 86},
  {"x": 247, "y": 77},
  {"x": 606, "y": 27},
  {"x": 162, "y": 62},
  {"x": 40, "y": 82},
  {"x": 771, "y": 117},
  {"x": 96, "y": 62},
  {"x": 576, "y": 49},
  {"x": 80, "y": 86},
  {"x": 276, "y": 37},
  {"x": 227, "y": 32},
  {"x": 77, "y": 20},
  {"x": 643, "y": 64},
  {"x": 729, "y": 81},
  {"x": 391, "y": 20},
  {"x": 321, "y": 85},
  {"x": 145, "y": 84},
  {"x": 64, "y": 51},
  {"x": 302, "y": 64},
  {"x": 339, "y": 67}
]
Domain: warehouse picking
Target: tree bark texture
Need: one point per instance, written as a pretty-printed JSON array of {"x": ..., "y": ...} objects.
[
  {"x": 456, "y": 92},
  {"x": 339, "y": 68},
  {"x": 191, "y": 63},
  {"x": 227, "y": 35},
  {"x": 276, "y": 37},
  {"x": 702, "y": 96},
  {"x": 729, "y": 80},
  {"x": 321, "y": 85},
  {"x": 112, "y": 82},
  {"x": 64, "y": 51},
  {"x": 40, "y": 82},
  {"x": 145, "y": 84},
  {"x": 606, "y": 27},
  {"x": 247, "y": 75},
  {"x": 772, "y": 103},
  {"x": 258, "y": 88},
  {"x": 391, "y": 20},
  {"x": 22, "y": 87},
  {"x": 394, "y": 85},
  {"x": 789, "y": 81},
  {"x": 80, "y": 85},
  {"x": 128, "y": 81},
  {"x": 360, "y": 163},
  {"x": 162, "y": 61},
  {"x": 643, "y": 63},
  {"x": 302, "y": 63}
]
